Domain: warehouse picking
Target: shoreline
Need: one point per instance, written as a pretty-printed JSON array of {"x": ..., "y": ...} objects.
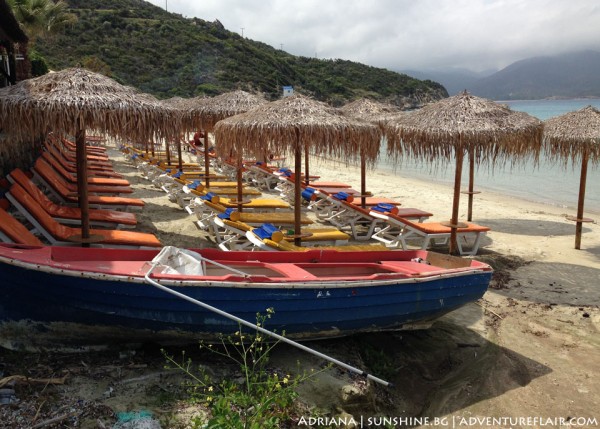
[
  {"x": 484, "y": 177},
  {"x": 542, "y": 229}
]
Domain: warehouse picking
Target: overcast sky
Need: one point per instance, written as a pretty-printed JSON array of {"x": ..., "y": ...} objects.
[{"x": 409, "y": 34}]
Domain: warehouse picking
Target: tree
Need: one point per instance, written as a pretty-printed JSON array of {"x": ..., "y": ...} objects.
[{"x": 41, "y": 18}]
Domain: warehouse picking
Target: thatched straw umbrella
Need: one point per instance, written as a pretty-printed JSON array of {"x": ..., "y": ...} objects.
[
  {"x": 203, "y": 113},
  {"x": 181, "y": 105},
  {"x": 376, "y": 113},
  {"x": 295, "y": 123},
  {"x": 73, "y": 100},
  {"x": 486, "y": 130},
  {"x": 574, "y": 136}
]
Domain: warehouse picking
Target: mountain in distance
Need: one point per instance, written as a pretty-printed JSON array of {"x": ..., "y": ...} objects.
[
  {"x": 455, "y": 80},
  {"x": 570, "y": 75}
]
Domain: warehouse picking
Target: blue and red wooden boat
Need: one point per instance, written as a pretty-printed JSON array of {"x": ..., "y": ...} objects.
[{"x": 81, "y": 298}]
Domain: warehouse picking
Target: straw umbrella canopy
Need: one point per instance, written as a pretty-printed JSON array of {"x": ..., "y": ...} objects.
[
  {"x": 73, "y": 100},
  {"x": 203, "y": 113},
  {"x": 370, "y": 110},
  {"x": 180, "y": 105},
  {"x": 486, "y": 130},
  {"x": 575, "y": 136},
  {"x": 374, "y": 112},
  {"x": 294, "y": 124}
]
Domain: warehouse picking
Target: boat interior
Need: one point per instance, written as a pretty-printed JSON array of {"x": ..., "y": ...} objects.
[{"x": 183, "y": 264}]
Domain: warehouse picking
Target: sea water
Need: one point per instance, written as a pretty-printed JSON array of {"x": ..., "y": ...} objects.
[{"x": 546, "y": 182}]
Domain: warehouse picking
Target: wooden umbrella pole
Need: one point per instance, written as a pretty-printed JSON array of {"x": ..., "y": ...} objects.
[
  {"x": 179, "y": 155},
  {"x": 582, "y": 182},
  {"x": 168, "y": 152},
  {"x": 306, "y": 178},
  {"x": 297, "y": 190},
  {"x": 239, "y": 182},
  {"x": 471, "y": 181},
  {"x": 363, "y": 180},
  {"x": 207, "y": 159},
  {"x": 456, "y": 200},
  {"x": 82, "y": 187}
]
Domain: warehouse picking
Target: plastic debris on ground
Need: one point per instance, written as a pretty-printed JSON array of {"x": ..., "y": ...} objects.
[{"x": 136, "y": 420}]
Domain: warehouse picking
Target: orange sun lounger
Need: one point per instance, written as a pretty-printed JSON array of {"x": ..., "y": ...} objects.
[
  {"x": 47, "y": 172},
  {"x": 94, "y": 169},
  {"x": 94, "y": 151},
  {"x": 71, "y": 177},
  {"x": 64, "y": 214},
  {"x": 57, "y": 186},
  {"x": 13, "y": 231},
  {"x": 58, "y": 234}
]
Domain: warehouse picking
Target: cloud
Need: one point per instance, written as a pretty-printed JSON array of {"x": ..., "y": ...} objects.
[{"x": 408, "y": 34}]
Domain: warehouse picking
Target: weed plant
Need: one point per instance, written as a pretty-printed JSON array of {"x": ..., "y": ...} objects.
[{"x": 256, "y": 397}]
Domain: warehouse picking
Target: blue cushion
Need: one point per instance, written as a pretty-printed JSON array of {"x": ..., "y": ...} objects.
[
  {"x": 226, "y": 214},
  {"x": 285, "y": 171},
  {"x": 209, "y": 196},
  {"x": 178, "y": 174},
  {"x": 341, "y": 196},
  {"x": 383, "y": 207},
  {"x": 266, "y": 230},
  {"x": 194, "y": 184},
  {"x": 308, "y": 193}
]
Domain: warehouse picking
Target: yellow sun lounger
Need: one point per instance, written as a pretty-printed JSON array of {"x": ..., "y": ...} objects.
[
  {"x": 233, "y": 235},
  {"x": 268, "y": 238},
  {"x": 286, "y": 246},
  {"x": 259, "y": 204}
]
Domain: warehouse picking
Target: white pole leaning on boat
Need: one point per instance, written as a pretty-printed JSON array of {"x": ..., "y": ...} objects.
[{"x": 263, "y": 331}]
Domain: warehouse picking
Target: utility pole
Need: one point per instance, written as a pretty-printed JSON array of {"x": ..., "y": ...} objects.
[
  {"x": 242, "y": 32},
  {"x": 281, "y": 46},
  {"x": 166, "y": 5}
]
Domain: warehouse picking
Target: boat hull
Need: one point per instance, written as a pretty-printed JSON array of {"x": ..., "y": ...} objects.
[{"x": 46, "y": 307}]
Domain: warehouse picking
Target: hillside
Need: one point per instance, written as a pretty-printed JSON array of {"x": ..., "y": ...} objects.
[
  {"x": 455, "y": 80},
  {"x": 570, "y": 75},
  {"x": 167, "y": 55}
]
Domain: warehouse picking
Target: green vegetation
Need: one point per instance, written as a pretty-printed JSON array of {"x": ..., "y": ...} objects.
[
  {"x": 42, "y": 18},
  {"x": 168, "y": 55},
  {"x": 257, "y": 398}
]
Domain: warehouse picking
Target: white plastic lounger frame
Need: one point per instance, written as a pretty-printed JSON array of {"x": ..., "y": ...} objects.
[{"x": 396, "y": 234}]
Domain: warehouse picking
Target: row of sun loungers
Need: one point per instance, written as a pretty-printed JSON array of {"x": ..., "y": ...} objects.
[
  {"x": 55, "y": 220},
  {"x": 364, "y": 219},
  {"x": 227, "y": 227},
  {"x": 45, "y": 199}
]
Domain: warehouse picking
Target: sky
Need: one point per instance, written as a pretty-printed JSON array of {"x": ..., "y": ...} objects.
[{"x": 409, "y": 34}]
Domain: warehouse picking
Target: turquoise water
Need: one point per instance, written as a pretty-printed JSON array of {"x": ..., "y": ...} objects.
[{"x": 546, "y": 183}]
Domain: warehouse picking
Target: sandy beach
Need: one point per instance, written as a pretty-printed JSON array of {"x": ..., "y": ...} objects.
[{"x": 529, "y": 350}]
